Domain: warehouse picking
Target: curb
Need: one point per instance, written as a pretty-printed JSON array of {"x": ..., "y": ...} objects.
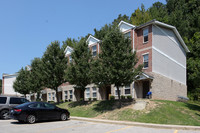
[{"x": 149, "y": 125}]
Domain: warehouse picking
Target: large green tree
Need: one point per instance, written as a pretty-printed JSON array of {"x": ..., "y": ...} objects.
[
  {"x": 36, "y": 77},
  {"x": 54, "y": 66},
  {"x": 22, "y": 83},
  {"x": 140, "y": 16},
  {"x": 116, "y": 63},
  {"x": 69, "y": 42},
  {"x": 78, "y": 72},
  {"x": 193, "y": 65}
]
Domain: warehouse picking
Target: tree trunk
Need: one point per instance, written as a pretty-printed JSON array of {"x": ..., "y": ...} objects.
[
  {"x": 38, "y": 96},
  {"x": 57, "y": 96},
  {"x": 120, "y": 103}
]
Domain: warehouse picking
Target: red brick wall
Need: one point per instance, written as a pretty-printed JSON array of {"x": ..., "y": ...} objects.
[{"x": 141, "y": 47}]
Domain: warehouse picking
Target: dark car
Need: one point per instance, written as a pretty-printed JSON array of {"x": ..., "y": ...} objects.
[
  {"x": 7, "y": 103},
  {"x": 38, "y": 111}
]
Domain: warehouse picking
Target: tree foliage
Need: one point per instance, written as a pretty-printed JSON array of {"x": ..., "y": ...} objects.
[
  {"x": 140, "y": 16},
  {"x": 36, "y": 77},
  {"x": 78, "y": 72},
  {"x": 54, "y": 65},
  {"x": 22, "y": 83},
  {"x": 116, "y": 62},
  {"x": 69, "y": 42}
]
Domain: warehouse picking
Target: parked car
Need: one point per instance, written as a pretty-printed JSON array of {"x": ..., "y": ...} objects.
[
  {"x": 7, "y": 103},
  {"x": 37, "y": 111}
]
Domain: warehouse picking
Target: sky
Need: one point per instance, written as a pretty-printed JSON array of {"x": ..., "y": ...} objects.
[{"x": 27, "y": 27}]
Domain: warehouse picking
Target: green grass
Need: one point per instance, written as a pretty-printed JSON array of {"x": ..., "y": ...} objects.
[{"x": 166, "y": 112}]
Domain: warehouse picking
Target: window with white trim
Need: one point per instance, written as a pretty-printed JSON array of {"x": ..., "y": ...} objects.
[
  {"x": 70, "y": 94},
  {"x": 128, "y": 35},
  {"x": 145, "y": 35},
  {"x": 87, "y": 93},
  {"x": 70, "y": 59},
  {"x": 116, "y": 94},
  {"x": 94, "y": 50},
  {"x": 66, "y": 94},
  {"x": 49, "y": 96},
  {"x": 127, "y": 90},
  {"x": 94, "y": 92},
  {"x": 146, "y": 60},
  {"x": 53, "y": 96}
]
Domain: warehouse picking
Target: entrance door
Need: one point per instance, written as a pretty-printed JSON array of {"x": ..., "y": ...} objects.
[
  {"x": 145, "y": 88},
  {"x": 108, "y": 91}
]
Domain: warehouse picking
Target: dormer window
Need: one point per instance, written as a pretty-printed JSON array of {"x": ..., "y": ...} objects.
[
  {"x": 94, "y": 50},
  {"x": 70, "y": 59},
  {"x": 128, "y": 34},
  {"x": 145, "y": 35}
]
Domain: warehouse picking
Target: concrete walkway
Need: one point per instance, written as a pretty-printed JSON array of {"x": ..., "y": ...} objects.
[{"x": 179, "y": 127}]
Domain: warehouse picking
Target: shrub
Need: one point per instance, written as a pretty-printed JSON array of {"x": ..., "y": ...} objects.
[
  {"x": 38, "y": 100},
  {"x": 66, "y": 100},
  {"x": 129, "y": 97},
  {"x": 112, "y": 97},
  {"x": 123, "y": 97},
  {"x": 90, "y": 99},
  {"x": 51, "y": 102},
  {"x": 94, "y": 99},
  {"x": 81, "y": 99}
]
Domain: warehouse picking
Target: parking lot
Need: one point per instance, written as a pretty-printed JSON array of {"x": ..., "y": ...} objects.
[{"x": 76, "y": 126}]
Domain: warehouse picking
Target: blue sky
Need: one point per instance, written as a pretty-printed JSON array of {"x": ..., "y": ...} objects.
[{"x": 27, "y": 27}]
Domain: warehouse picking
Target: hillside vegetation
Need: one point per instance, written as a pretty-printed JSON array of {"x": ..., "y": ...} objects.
[{"x": 160, "y": 112}]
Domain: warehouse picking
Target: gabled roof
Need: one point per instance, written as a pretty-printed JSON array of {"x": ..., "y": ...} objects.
[
  {"x": 144, "y": 76},
  {"x": 68, "y": 50},
  {"x": 123, "y": 22},
  {"x": 155, "y": 22},
  {"x": 93, "y": 39}
]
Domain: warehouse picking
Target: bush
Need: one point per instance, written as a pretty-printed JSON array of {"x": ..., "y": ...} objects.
[
  {"x": 51, "y": 102},
  {"x": 129, "y": 97},
  {"x": 94, "y": 99},
  {"x": 38, "y": 100},
  {"x": 123, "y": 97},
  {"x": 90, "y": 99},
  {"x": 66, "y": 100},
  {"x": 62, "y": 101},
  {"x": 112, "y": 97},
  {"x": 81, "y": 99}
]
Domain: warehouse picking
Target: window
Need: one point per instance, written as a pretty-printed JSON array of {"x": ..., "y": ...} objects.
[
  {"x": 49, "y": 96},
  {"x": 36, "y": 105},
  {"x": 16, "y": 100},
  {"x": 70, "y": 94},
  {"x": 53, "y": 96},
  {"x": 146, "y": 60},
  {"x": 94, "y": 50},
  {"x": 3, "y": 100},
  {"x": 87, "y": 93},
  {"x": 70, "y": 59},
  {"x": 49, "y": 106},
  {"x": 66, "y": 94},
  {"x": 94, "y": 92},
  {"x": 127, "y": 90},
  {"x": 145, "y": 35},
  {"x": 116, "y": 94},
  {"x": 128, "y": 35}
]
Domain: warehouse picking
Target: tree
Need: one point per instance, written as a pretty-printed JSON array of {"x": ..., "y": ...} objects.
[
  {"x": 54, "y": 66},
  {"x": 193, "y": 64},
  {"x": 159, "y": 12},
  {"x": 22, "y": 82},
  {"x": 36, "y": 77},
  {"x": 69, "y": 42},
  {"x": 0, "y": 86},
  {"x": 140, "y": 16},
  {"x": 117, "y": 63},
  {"x": 78, "y": 72}
]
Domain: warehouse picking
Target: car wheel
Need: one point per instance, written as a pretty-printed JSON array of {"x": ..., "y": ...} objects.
[
  {"x": 31, "y": 119},
  {"x": 63, "y": 117},
  {"x": 4, "y": 114}
]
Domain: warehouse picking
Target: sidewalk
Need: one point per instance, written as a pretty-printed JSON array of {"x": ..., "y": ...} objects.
[{"x": 179, "y": 127}]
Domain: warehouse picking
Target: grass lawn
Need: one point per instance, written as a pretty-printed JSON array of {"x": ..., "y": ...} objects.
[{"x": 157, "y": 111}]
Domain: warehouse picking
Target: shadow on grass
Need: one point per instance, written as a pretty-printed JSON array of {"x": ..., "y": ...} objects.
[
  {"x": 79, "y": 103},
  {"x": 193, "y": 106},
  {"x": 109, "y": 105}
]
